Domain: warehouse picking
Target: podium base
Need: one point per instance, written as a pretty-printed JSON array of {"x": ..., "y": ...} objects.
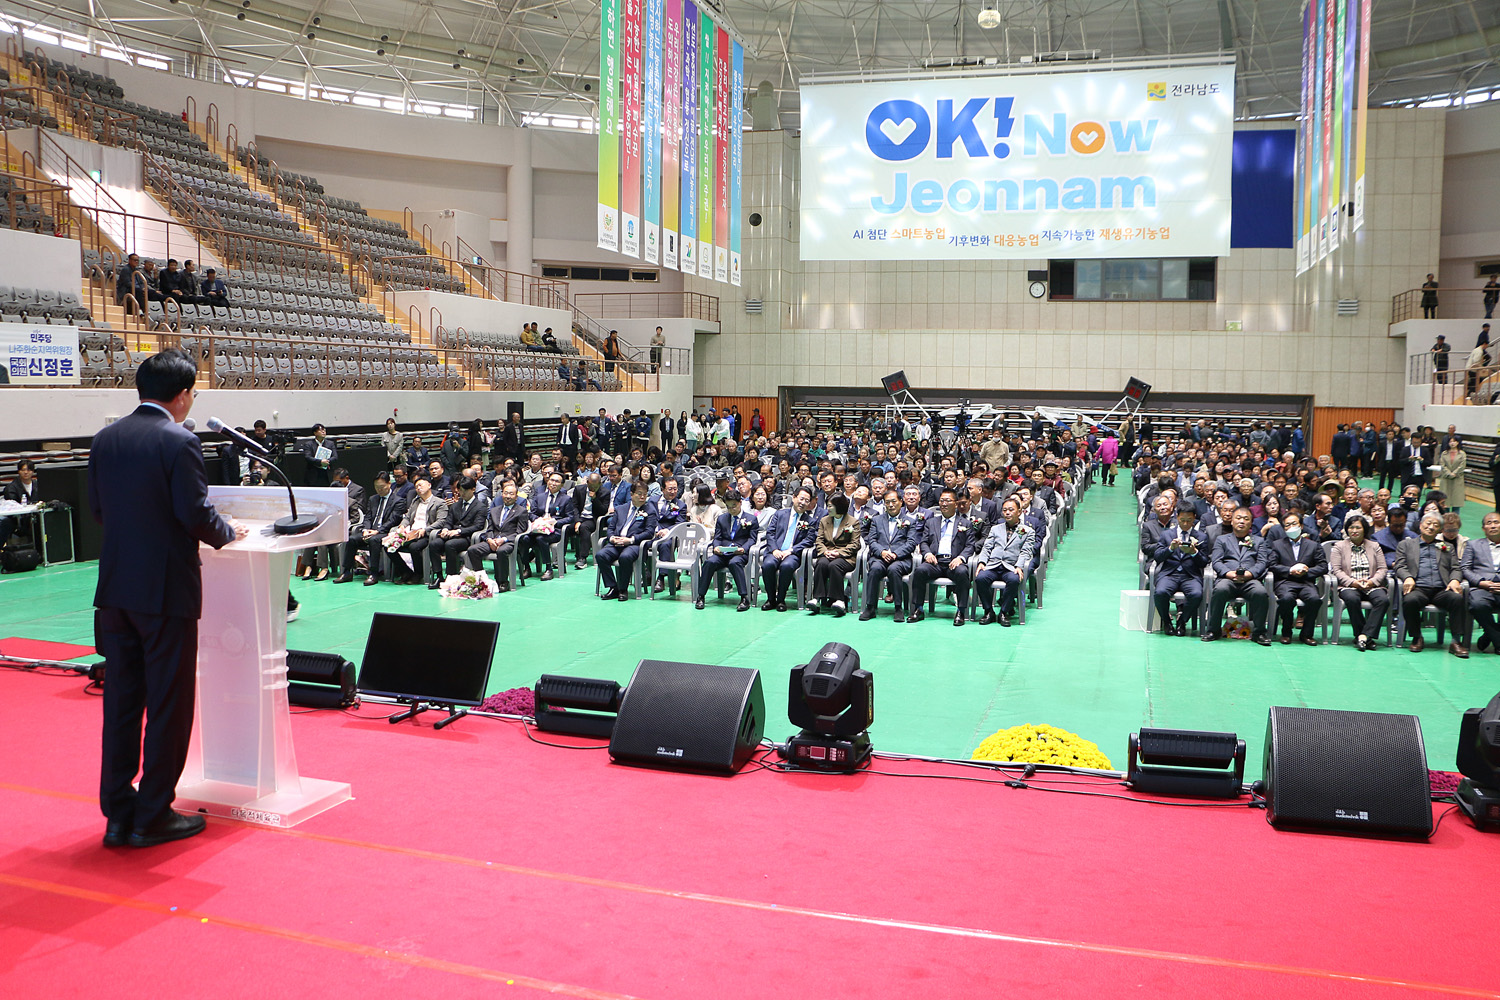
[{"x": 280, "y": 808}]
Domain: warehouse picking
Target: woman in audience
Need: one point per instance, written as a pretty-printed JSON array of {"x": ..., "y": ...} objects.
[
  {"x": 646, "y": 474},
  {"x": 1359, "y": 571},
  {"x": 834, "y": 551},
  {"x": 1109, "y": 454},
  {"x": 705, "y": 510},
  {"x": 1452, "y": 466},
  {"x": 760, "y": 505},
  {"x": 1436, "y": 503},
  {"x": 692, "y": 433},
  {"x": 394, "y": 442}
]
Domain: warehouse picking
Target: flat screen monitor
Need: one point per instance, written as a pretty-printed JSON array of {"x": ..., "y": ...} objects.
[{"x": 441, "y": 660}]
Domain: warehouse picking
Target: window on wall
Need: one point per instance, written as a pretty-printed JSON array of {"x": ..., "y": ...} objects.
[{"x": 1140, "y": 279}]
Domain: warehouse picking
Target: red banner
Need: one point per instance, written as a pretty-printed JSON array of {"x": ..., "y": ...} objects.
[
  {"x": 722, "y": 105},
  {"x": 630, "y": 129}
]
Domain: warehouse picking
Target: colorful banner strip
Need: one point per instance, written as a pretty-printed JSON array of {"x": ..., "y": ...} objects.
[
  {"x": 630, "y": 129},
  {"x": 689, "y": 262},
  {"x": 736, "y": 157},
  {"x": 671, "y": 147},
  {"x": 707, "y": 101},
  {"x": 609, "y": 125}
]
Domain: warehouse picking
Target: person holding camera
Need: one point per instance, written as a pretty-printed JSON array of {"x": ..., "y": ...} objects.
[{"x": 1181, "y": 554}]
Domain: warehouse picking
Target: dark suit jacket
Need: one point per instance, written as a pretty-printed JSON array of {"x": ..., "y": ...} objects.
[
  {"x": 775, "y": 531},
  {"x": 148, "y": 487},
  {"x": 638, "y": 526},
  {"x": 15, "y": 492},
  {"x": 1229, "y": 555},
  {"x": 736, "y": 529},
  {"x": 885, "y": 532},
  {"x": 1178, "y": 561},
  {"x": 601, "y": 500},
  {"x": 507, "y": 528},
  {"x": 467, "y": 518},
  {"x": 932, "y": 537},
  {"x": 383, "y": 517},
  {"x": 562, "y": 508},
  {"x": 1408, "y": 561},
  {"x": 1285, "y": 554}
]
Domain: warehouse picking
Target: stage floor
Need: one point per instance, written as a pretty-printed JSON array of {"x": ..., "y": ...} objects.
[
  {"x": 473, "y": 862},
  {"x": 940, "y": 690}
]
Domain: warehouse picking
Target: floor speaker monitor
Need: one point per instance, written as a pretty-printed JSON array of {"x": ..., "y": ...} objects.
[
  {"x": 1359, "y": 772},
  {"x": 689, "y": 716}
]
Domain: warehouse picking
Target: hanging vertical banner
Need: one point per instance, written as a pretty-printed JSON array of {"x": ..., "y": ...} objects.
[
  {"x": 1336, "y": 127},
  {"x": 1325, "y": 171},
  {"x": 689, "y": 229},
  {"x": 1304, "y": 148},
  {"x": 651, "y": 132},
  {"x": 1348, "y": 67},
  {"x": 630, "y": 128},
  {"x": 1362, "y": 105},
  {"x": 723, "y": 101},
  {"x": 609, "y": 125},
  {"x": 736, "y": 158},
  {"x": 706, "y": 99},
  {"x": 671, "y": 139}
]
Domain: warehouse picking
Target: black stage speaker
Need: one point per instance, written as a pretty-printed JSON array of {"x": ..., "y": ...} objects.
[
  {"x": 320, "y": 680},
  {"x": 690, "y": 716},
  {"x": 1360, "y": 772}
]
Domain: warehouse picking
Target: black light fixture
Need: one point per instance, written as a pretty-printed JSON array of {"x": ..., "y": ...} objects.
[
  {"x": 583, "y": 706},
  {"x": 1183, "y": 762},
  {"x": 1479, "y": 763},
  {"x": 833, "y": 702}
]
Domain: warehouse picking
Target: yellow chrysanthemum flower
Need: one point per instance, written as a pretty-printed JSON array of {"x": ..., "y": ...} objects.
[{"x": 1032, "y": 744}]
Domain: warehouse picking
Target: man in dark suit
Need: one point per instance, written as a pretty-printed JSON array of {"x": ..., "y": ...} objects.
[
  {"x": 630, "y": 528},
  {"x": 788, "y": 533},
  {"x": 1390, "y": 456},
  {"x": 465, "y": 515},
  {"x": 592, "y": 501},
  {"x": 1481, "y": 568},
  {"x": 734, "y": 534},
  {"x": 508, "y": 521},
  {"x": 1429, "y": 572},
  {"x": 943, "y": 550},
  {"x": 1239, "y": 560},
  {"x": 383, "y": 510},
  {"x": 21, "y": 490},
  {"x": 552, "y": 511},
  {"x": 1298, "y": 562},
  {"x": 568, "y": 436},
  {"x": 321, "y": 453},
  {"x": 1181, "y": 555},
  {"x": 1157, "y": 521},
  {"x": 891, "y": 540},
  {"x": 148, "y": 487}
]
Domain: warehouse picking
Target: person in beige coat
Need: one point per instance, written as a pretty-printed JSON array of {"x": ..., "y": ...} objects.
[
  {"x": 1452, "y": 465},
  {"x": 1358, "y": 568}
]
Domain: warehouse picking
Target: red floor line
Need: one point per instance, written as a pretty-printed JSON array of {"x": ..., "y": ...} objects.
[
  {"x": 750, "y": 904},
  {"x": 317, "y": 940}
]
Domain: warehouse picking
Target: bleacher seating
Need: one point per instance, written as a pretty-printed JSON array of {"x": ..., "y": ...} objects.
[
  {"x": 40, "y": 305},
  {"x": 507, "y": 364},
  {"x": 19, "y": 213}
]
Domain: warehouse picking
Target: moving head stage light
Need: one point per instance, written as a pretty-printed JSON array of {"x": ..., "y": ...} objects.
[
  {"x": 833, "y": 701},
  {"x": 1479, "y": 763}
]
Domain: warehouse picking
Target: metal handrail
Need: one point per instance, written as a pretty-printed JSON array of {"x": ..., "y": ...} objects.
[
  {"x": 1453, "y": 303},
  {"x": 650, "y": 305}
]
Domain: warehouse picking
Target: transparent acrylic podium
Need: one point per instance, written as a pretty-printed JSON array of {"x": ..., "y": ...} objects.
[{"x": 241, "y": 763}]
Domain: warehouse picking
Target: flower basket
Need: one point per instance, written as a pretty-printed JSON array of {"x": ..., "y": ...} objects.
[
  {"x": 470, "y": 585},
  {"x": 1034, "y": 744}
]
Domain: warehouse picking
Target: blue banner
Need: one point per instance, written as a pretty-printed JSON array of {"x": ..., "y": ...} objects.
[
  {"x": 688, "y": 261},
  {"x": 736, "y": 157},
  {"x": 651, "y": 138}
]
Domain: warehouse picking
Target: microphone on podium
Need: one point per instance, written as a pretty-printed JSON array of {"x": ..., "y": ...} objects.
[
  {"x": 189, "y": 424},
  {"x": 295, "y": 524}
]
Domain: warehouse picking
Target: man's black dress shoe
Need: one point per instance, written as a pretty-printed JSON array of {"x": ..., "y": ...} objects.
[
  {"x": 768, "y": 606},
  {"x": 434, "y": 584},
  {"x": 958, "y": 619},
  {"x": 116, "y": 833},
  {"x": 1211, "y": 635},
  {"x": 1004, "y": 620},
  {"x": 1260, "y": 638},
  {"x": 865, "y": 616},
  {"x": 698, "y": 604},
  {"x": 917, "y": 615},
  {"x": 744, "y": 604},
  {"x": 781, "y": 605},
  {"x": 346, "y": 578},
  {"x": 624, "y": 595},
  {"x": 178, "y": 827},
  {"x": 609, "y": 595},
  {"x": 371, "y": 581},
  {"x": 988, "y": 618}
]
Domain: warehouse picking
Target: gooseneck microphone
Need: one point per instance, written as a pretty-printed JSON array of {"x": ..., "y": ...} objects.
[
  {"x": 188, "y": 424},
  {"x": 293, "y": 525}
]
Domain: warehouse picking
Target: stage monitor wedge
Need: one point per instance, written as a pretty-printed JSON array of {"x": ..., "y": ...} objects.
[
  {"x": 1356, "y": 772},
  {"x": 440, "y": 661},
  {"x": 689, "y": 716}
]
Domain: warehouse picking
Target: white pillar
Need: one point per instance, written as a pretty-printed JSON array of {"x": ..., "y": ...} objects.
[{"x": 518, "y": 206}]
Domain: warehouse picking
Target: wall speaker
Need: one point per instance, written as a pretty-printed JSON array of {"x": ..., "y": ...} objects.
[
  {"x": 689, "y": 716},
  {"x": 320, "y": 680},
  {"x": 1359, "y": 772}
]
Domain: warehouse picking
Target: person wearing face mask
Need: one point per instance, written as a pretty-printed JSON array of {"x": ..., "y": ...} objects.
[{"x": 1297, "y": 564}]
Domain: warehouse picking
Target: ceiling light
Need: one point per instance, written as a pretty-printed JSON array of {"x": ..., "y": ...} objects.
[{"x": 989, "y": 15}]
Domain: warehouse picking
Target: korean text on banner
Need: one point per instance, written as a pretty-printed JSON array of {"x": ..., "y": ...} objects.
[
  {"x": 38, "y": 355},
  {"x": 736, "y": 159},
  {"x": 706, "y": 99},
  {"x": 1130, "y": 163},
  {"x": 609, "y": 125},
  {"x": 723, "y": 100},
  {"x": 671, "y": 145},
  {"x": 630, "y": 129},
  {"x": 1362, "y": 106},
  {"x": 689, "y": 233},
  {"x": 651, "y": 133}
]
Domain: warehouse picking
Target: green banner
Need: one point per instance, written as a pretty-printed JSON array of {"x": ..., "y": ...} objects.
[
  {"x": 609, "y": 125},
  {"x": 706, "y": 98}
]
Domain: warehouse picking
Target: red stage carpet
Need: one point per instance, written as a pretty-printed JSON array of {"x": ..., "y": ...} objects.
[
  {"x": 40, "y": 649},
  {"x": 473, "y": 859}
]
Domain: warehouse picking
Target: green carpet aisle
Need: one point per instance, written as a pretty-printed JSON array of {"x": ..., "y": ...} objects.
[{"x": 940, "y": 689}]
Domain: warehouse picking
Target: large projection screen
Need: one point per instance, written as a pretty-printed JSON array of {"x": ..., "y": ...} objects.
[{"x": 1104, "y": 163}]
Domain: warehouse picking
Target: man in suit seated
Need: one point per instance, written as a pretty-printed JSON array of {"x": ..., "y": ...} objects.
[
  {"x": 466, "y": 514},
  {"x": 735, "y": 532},
  {"x": 1395, "y": 530},
  {"x": 1428, "y": 570},
  {"x": 891, "y": 538},
  {"x": 946, "y": 544},
  {"x": 788, "y": 534},
  {"x": 213, "y": 292},
  {"x": 21, "y": 490},
  {"x": 552, "y": 511},
  {"x": 383, "y": 510},
  {"x": 1481, "y": 567},
  {"x": 630, "y": 528},
  {"x": 1181, "y": 555},
  {"x": 1159, "y": 520},
  {"x": 671, "y": 511},
  {"x": 1004, "y": 559},
  {"x": 1239, "y": 560},
  {"x": 592, "y": 501},
  {"x": 1298, "y": 563},
  {"x": 507, "y": 522}
]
